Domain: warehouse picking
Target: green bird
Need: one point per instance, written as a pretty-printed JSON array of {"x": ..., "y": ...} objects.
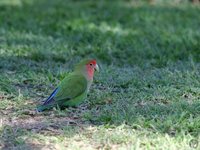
[{"x": 73, "y": 89}]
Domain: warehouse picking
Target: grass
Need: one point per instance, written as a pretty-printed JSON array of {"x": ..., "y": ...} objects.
[{"x": 146, "y": 96}]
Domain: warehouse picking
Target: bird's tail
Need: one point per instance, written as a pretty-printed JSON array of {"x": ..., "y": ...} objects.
[
  {"x": 43, "y": 107},
  {"x": 49, "y": 102}
]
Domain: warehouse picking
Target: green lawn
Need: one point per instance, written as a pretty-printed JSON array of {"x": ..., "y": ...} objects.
[{"x": 146, "y": 96}]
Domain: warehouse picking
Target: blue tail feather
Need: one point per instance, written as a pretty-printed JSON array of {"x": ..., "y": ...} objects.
[
  {"x": 50, "y": 98},
  {"x": 47, "y": 103}
]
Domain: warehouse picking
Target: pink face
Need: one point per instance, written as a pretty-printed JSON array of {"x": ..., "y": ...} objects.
[{"x": 91, "y": 67}]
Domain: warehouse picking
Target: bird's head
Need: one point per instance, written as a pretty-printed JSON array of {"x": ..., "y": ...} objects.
[
  {"x": 92, "y": 64},
  {"x": 88, "y": 66}
]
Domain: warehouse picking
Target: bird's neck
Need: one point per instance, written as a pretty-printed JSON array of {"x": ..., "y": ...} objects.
[{"x": 89, "y": 72}]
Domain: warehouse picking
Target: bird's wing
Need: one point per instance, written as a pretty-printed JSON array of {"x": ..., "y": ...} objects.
[{"x": 71, "y": 87}]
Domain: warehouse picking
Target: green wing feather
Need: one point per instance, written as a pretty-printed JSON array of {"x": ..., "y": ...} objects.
[{"x": 71, "y": 87}]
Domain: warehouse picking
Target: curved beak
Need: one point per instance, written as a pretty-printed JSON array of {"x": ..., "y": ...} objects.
[{"x": 96, "y": 68}]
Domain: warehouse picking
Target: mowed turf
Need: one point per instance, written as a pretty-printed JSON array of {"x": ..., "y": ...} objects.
[{"x": 146, "y": 96}]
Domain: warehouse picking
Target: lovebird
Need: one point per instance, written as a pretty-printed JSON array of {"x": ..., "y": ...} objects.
[{"x": 73, "y": 89}]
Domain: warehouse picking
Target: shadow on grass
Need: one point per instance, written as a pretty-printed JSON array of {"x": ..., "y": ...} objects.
[
  {"x": 111, "y": 103},
  {"x": 157, "y": 34}
]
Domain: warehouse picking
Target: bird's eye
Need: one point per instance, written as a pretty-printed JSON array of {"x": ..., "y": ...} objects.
[{"x": 91, "y": 64}]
